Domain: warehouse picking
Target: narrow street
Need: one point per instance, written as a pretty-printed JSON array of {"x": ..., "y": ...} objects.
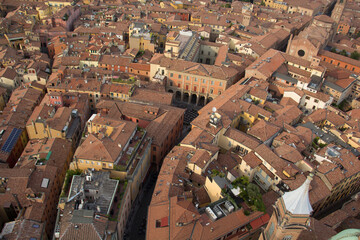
[{"x": 137, "y": 221}]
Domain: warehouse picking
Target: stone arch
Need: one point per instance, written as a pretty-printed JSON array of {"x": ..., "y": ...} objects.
[
  {"x": 178, "y": 95},
  {"x": 193, "y": 98},
  {"x": 186, "y": 97},
  {"x": 201, "y": 101}
]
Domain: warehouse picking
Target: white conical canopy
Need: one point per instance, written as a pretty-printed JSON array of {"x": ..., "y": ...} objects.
[{"x": 297, "y": 201}]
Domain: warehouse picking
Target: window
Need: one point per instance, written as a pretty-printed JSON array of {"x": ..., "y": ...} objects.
[
  {"x": 316, "y": 100},
  {"x": 307, "y": 98},
  {"x": 211, "y": 90},
  {"x": 171, "y": 74},
  {"x": 287, "y": 237},
  {"x": 179, "y": 76},
  {"x": 187, "y": 77},
  {"x": 271, "y": 230},
  {"x": 212, "y": 82},
  {"x": 195, "y": 79},
  {"x": 220, "y": 84},
  {"x": 301, "y": 53},
  {"x": 204, "y": 81}
]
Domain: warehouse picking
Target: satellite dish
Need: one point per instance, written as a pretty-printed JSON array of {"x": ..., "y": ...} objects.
[{"x": 214, "y": 109}]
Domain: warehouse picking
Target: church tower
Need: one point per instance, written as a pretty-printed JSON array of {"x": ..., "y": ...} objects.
[
  {"x": 291, "y": 214},
  {"x": 338, "y": 10}
]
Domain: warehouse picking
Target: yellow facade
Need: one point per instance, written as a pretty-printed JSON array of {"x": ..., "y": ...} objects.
[
  {"x": 141, "y": 43},
  {"x": 95, "y": 128},
  {"x": 38, "y": 130},
  {"x": 84, "y": 164},
  {"x": 177, "y": 5},
  {"x": 213, "y": 190},
  {"x": 279, "y": 4},
  {"x": 58, "y": 4},
  {"x": 196, "y": 169}
]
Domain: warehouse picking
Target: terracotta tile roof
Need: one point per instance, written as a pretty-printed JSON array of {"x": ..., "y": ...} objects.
[
  {"x": 335, "y": 218},
  {"x": 286, "y": 101},
  {"x": 299, "y": 71},
  {"x": 229, "y": 160},
  {"x": 339, "y": 57},
  {"x": 196, "y": 137},
  {"x": 81, "y": 227},
  {"x": 104, "y": 148},
  {"x": 354, "y": 114},
  {"x": 115, "y": 60},
  {"x": 252, "y": 160},
  {"x": 225, "y": 105},
  {"x": 202, "y": 196},
  {"x": 268, "y": 68},
  {"x": 345, "y": 83},
  {"x": 217, "y": 72},
  {"x": 263, "y": 130},
  {"x": 259, "y": 93},
  {"x": 288, "y": 153},
  {"x": 200, "y": 158},
  {"x": 319, "y": 190},
  {"x": 21, "y": 229},
  {"x": 270, "y": 157},
  {"x": 318, "y": 231},
  {"x": 242, "y": 138},
  {"x": 287, "y": 115},
  {"x": 319, "y": 95},
  {"x": 142, "y": 95},
  {"x": 323, "y": 114}
]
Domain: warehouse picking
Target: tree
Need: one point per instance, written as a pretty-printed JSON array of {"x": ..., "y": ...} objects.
[
  {"x": 262, "y": 3},
  {"x": 355, "y": 55},
  {"x": 241, "y": 181},
  {"x": 253, "y": 191},
  {"x": 344, "y": 53},
  {"x": 333, "y": 50}
]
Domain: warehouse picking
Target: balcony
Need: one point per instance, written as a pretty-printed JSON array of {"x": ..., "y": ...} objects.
[
  {"x": 36, "y": 197},
  {"x": 131, "y": 150}
]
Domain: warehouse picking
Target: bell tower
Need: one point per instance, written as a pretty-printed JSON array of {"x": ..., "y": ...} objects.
[{"x": 291, "y": 214}]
